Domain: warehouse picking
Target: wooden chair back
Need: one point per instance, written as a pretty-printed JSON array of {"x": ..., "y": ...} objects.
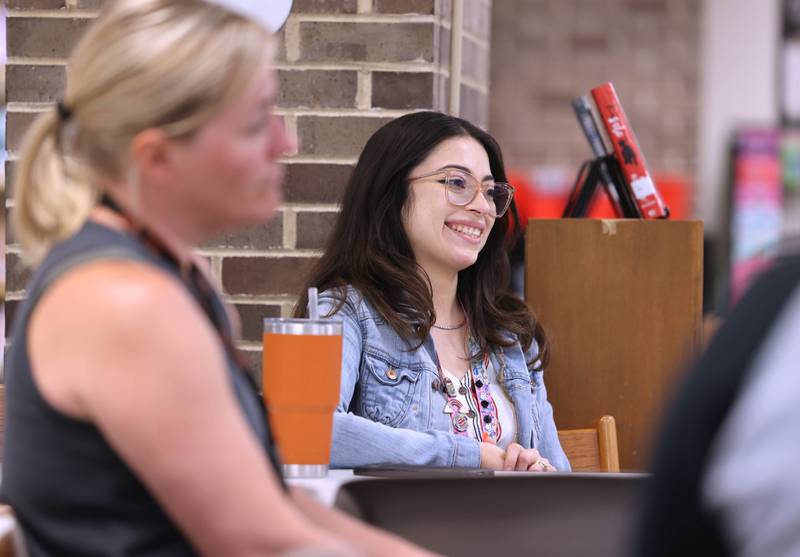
[{"x": 592, "y": 449}]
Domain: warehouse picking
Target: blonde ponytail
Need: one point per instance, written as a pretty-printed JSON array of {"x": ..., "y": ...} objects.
[
  {"x": 166, "y": 64},
  {"x": 51, "y": 199}
]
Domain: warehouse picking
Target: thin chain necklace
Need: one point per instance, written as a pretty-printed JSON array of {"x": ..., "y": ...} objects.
[{"x": 453, "y": 328}]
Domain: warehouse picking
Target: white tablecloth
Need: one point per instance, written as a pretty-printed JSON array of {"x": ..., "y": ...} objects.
[{"x": 325, "y": 489}]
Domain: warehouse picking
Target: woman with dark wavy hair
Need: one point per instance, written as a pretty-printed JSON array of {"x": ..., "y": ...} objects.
[{"x": 442, "y": 363}]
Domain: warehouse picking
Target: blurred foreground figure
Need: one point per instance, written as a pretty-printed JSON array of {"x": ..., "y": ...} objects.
[
  {"x": 725, "y": 479},
  {"x": 132, "y": 426}
]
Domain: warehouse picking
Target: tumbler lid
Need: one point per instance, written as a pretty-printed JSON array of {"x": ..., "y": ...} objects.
[{"x": 300, "y": 326}]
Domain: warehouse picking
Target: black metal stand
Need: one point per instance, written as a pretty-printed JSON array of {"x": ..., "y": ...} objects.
[{"x": 605, "y": 171}]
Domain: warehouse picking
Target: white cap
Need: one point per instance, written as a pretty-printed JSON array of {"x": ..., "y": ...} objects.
[{"x": 271, "y": 14}]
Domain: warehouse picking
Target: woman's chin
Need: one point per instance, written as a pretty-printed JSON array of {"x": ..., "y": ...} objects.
[
  {"x": 460, "y": 262},
  {"x": 263, "y": 209}
]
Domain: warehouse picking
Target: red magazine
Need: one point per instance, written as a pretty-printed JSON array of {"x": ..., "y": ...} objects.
[{"x": 628, "y": 153}]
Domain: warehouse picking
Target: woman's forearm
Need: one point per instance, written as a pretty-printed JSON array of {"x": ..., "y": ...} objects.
[{"x": 358, "y": 441}]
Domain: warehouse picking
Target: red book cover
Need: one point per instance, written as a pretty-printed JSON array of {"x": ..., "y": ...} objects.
[{"x": 628, "y": 153}]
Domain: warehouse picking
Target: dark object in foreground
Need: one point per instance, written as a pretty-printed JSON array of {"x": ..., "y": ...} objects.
[{"x": 521, "y": 513}]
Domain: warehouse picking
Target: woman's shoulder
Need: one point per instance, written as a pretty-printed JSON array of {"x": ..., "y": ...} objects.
[
  {"x": 347, "y": 292},
  {"x": 122, "y": 305},
  {"x": 350, "y": 304},
  {"x": 529, "y": 354},
  {"x": 123, "y": 288},
  {"x": 346, "y": 301}
]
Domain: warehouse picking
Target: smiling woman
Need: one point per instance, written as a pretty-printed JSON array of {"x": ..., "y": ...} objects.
[
  {"x": 447, "y": 221},
  {"x": 442, "y": 364}
]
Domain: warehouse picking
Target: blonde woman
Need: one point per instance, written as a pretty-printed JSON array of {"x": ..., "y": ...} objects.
[{"x": 132, "y": 428}]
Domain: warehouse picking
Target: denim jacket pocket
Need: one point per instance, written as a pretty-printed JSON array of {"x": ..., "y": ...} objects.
[{"x": 389, "y": 388}]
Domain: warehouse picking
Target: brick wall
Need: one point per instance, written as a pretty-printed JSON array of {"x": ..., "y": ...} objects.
[
  {"x": 545, "y": 52},
  {"x": 345, "y": 67}
]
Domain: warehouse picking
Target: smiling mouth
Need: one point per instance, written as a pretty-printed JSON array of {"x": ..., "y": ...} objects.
[{"x": 470, "y": 231}]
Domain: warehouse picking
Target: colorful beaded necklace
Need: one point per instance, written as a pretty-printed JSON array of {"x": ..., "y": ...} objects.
[{"x": 460, "y": 415}]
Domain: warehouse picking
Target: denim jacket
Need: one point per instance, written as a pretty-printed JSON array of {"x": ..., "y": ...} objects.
[{"x": 396, "y": 416}]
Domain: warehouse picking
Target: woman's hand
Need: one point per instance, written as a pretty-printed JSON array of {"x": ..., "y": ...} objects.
[
  {"x": 492, "y": 456},
  {"x": 525, "y": 460},
  {"x": 514, "y": 458}
]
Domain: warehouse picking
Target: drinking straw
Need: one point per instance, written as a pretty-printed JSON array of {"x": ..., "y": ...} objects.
[{"x": 313, "y": 307}]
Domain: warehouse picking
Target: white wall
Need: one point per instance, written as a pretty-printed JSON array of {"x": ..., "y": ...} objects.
[{"x": 738, "y": 81}]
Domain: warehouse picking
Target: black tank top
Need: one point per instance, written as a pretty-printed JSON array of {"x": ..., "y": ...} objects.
[{"x": 71, "y": 493}]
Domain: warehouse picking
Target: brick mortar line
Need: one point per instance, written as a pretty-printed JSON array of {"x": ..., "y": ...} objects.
[
  {"x": 38, "y": 61},
  {"x": 290, "y": 121},
  {"x": 287, "y": 309},
  {"x": 336, "y": 112},
  {"x": 221, "y": 253},
  {"x": 291, "y": 38},
  {"x": 411, "y": 67},
  {"x": 245, "y": 300},
  {"x": 13, "y": 156},
  {"x": 311, "y": 208},
  {"x": 358, "y": 66},
  {"x": 311, "y": 159},
  {"x": 360, "y": 17},
  {"x": 275, "y": 253},
  {"x": 365, "y": 18},
  {"x": 289, "y": 229},
  {"x": 283, "y": 66},
  {"x": 216, "y": 268},
  {"x": 72, "y": 13},
  {"x": 78, "y": 13},
  {"x": 364, "y": 89},
  {"x": 28, "y": 107}
]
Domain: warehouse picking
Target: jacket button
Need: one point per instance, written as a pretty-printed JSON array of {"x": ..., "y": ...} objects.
[
  {"x": 391, "y": 374},
  {"x": 436, "y": 385}
]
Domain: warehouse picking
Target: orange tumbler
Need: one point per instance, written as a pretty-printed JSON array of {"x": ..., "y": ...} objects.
[{"x": 302, "y": 372}]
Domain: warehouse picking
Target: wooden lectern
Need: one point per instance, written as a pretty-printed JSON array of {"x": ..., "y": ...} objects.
[{"x": 621, "y": 302}]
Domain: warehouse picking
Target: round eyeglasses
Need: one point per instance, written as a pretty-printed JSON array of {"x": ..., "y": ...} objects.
[{"x": 461, "y": 188}]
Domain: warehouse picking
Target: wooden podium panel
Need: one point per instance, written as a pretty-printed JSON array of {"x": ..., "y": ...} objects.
[{"x": 621, "y": 302}]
